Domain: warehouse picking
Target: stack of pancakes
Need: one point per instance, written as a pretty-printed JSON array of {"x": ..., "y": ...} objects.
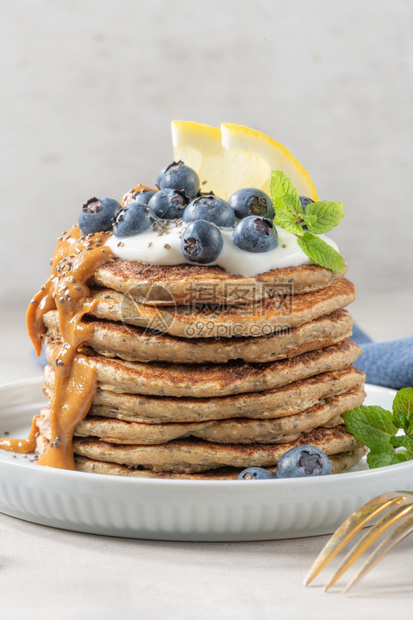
[{"x": 202, "y": 373}]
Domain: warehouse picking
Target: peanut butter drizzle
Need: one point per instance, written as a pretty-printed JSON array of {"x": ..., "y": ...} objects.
[
  {"x": 75, "y": 261},
  {"x": 22, "y": 446}
]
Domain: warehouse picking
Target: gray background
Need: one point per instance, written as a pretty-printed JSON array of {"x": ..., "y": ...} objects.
[{"x": 89, "y": 89}]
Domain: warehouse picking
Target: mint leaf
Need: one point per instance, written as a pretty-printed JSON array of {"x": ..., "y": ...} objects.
[
  {"x": 310, "y": 220},
  {"x": 401, "y": 421},
  {"x": 403, "y": 441},
  {"x": 318, "y": 216},
  {"x": 328, "y": 215},
  {"x": 284, "y": 196},
  {"x": 287, "y": 220},
  {"x": 372, "y": 426},
  {"x": 321, "y": 253},
  {"x": 400, "y": 457},
  {"x": 380, "y": 458},
  {"x": 376, "y": 428},
  {"x": 403, "y": 402}
]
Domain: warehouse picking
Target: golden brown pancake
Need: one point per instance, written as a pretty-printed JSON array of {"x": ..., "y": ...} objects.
[
  {"x": 136, "y": 344},
  {"x": 261, "y": 318},
  {"x": 191, "y": 455},
  {"x": 224, "y": 431},
  {"x": 285, "y": 401},
  {"x": 186, "y": 284},
  {"x": 340, "y": 463},
  {"x": 205, "y": 380},
  {"x": 325, "y": 413}
]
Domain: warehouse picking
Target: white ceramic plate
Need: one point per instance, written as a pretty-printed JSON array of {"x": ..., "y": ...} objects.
[{"x": 223, "y": 510}]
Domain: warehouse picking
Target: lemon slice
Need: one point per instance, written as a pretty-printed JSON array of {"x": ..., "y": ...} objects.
[
  {"x": 235, "y": 156},
  {"x": 249, "y": 157},
  {"x": 199, "y": 146}
]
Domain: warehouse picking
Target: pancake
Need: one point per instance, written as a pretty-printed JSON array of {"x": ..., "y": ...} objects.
[
  {"x": 339, "y": 462},
  {"x": 281, "y": 402},
  {"x": 225, "y": 431},
  {"x": 136, "y": 344},
  {"x": 191, "y": 455},
  {"x": 260, "y": 318},
  {"x": 206, "y": 380},
  {"x": 186, "y": 284},
  {"x": 326, "y": 413}
]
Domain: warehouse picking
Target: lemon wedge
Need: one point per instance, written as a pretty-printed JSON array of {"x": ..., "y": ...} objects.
[
  {"x": 235, "y": 156},
  {"x": 199, "y": 146},
  {"x": 249, "y": 157}
]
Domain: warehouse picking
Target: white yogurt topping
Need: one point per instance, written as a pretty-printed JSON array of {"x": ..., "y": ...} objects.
[{"x": 154, "y": 248}]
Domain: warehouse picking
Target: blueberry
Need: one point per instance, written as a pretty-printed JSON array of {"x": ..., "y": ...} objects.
[
  {"x": 97, "y": 215},
  {"x": 179, "y": 176},
  {"x": 255, "y": 473},
  {"x": 201, "y": 242},
  {"x": 303, "y": 461},
  {"x": 144, "y": 196},
  {"x": 210, "y": 208},
  {"x": 133, "y": 219},
  {"x": 168, "y": 203},
  {"x": 251, "y": 201},
  {"x": 305, "y": 201},
  {"x": 255, "y": 234}
]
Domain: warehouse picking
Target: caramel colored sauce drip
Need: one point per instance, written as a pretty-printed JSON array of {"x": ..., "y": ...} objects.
[
  {"x": 75, "y": 261},
  {"x": 22, "y": 446}
]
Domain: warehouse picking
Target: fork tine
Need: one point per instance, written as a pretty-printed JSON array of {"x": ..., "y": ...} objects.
[
  {"x": 398, "y": 534},
  {"x": 349, "y": 528},
  {"x": 386, "y": 521}
]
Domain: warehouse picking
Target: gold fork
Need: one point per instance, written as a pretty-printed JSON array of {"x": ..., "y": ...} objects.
[{"x": 399, "y": 506}]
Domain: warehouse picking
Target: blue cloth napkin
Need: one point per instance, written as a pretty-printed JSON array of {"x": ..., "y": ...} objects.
[{"x": 385, "y": 363}]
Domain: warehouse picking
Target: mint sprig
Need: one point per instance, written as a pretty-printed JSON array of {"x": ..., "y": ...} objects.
[
  {"x": 321, "y": 253},
  {"x": 378, "y": 429},
  {"x": 318, "y": 217},
  {"x": 284, "y": 196},
  {"x": 288, "y": 221},
  {"x": 326, "y": 216}
]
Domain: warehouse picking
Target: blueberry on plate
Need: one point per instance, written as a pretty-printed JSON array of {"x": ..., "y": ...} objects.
[
  {"x": 179, "y": 176},
  {"x": 168, "y": 203},
  {"x": 255, "y": 234},
  {"x": 305, "y": 201},
  {"x": 201, "y": 242},
  {"x": 303, "y": 461},
  {"x": 98, "y": 214},
  {"x": 251, "y": 201},
  {"x": 210, "y": 208},
  {"x": 255, "y": 473},
  {"x": 134, "y": 218}
]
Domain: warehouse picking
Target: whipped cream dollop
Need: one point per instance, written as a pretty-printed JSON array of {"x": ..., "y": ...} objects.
[{"x": 162, "y": 246}]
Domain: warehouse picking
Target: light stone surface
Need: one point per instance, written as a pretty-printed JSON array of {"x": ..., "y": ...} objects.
[
  {"x": 90, "y": 88},
  {"x": 47, "y": 574}
]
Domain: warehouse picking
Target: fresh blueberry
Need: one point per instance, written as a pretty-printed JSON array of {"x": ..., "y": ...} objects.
[
  {"x": 179, "y": 176},
  {"x": 255, "y": 234},
  {"x": 303, "y": 461},
  {"x": 255, "y": 473},
  {"x": 98, "y": 214},
  {"x": 168, "y": 204},
  {"x": 305, "y": 201},
  {"x": 201, "y": 242},
  {"x": 133, "y": 219},
  {"x": 210, "y": 208},
  {"x": 251, "y": 201},
  {"x": 144, "y": 196}
]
